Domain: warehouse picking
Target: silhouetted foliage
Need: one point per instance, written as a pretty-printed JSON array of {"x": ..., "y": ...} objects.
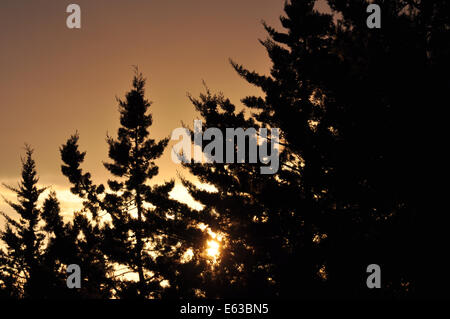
[
  {"x": 76, "y": 242},
  {"x": 350, "y": 102},
  {"x": 143, "y": 231},
  {"x": 362, "y": 132},
  {"x": 40, "y": 245},
  {"x": 22, "y": 260}
]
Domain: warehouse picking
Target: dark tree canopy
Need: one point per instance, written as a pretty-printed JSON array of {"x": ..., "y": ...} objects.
[
  {"x": 21, "y": 261},
  {"x": 40, "y": 246},
  {"x": 355, "y": 107},
  {"x": 147, "y": 233}
]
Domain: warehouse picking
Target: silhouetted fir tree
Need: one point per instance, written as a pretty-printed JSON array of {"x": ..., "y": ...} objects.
[
  {"x": 147, "y": 232},
  {"x": 239, "y": 211},
  {"x": 255, "y": 212},
  {"x": 22, "y": 238},
  {"x": 27, "y": 274},
  {"x": 40, "y": 245},
  {"x": 75, "y": 242},
  {"x": 350, "y": 105}
]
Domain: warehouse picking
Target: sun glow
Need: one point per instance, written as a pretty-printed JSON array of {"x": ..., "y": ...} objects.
[{"x": 213, "y": 250}]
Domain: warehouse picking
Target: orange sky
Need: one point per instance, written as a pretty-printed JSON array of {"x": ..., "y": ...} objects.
[{"x": 54, "y": 80}]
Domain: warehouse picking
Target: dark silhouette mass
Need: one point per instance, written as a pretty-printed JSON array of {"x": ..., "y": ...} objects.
[
  {"x": 148, "y": 232},
  {"x": 356, "y": 107}
]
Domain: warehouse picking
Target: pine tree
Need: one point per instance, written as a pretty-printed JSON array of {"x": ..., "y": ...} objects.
[
  {"x": 40, "y": 246},
  {"x": 74, "y": 242},
  {"x": 22, "y": 239},
  {"x": 345, "y": 195},
  {"x": 148, "y": 233}
]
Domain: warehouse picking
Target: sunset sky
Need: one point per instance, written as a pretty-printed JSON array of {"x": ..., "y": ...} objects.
[{"x": 55, "y": 81}]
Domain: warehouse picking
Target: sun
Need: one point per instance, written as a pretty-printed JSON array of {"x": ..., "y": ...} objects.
[{"x": 213, "y": 249}]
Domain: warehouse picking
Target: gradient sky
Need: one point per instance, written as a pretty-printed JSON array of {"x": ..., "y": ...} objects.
[{"x": 55, "y": 80}]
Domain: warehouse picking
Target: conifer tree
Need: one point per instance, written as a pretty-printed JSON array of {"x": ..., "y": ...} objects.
[
  {"x": 148, "y": 234},
  {"x": 345, "y": 195},
  {"x": 22, "y": 238},
  {"x": 74, "y": 242},
  {"x": 40, "y": 246}
]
